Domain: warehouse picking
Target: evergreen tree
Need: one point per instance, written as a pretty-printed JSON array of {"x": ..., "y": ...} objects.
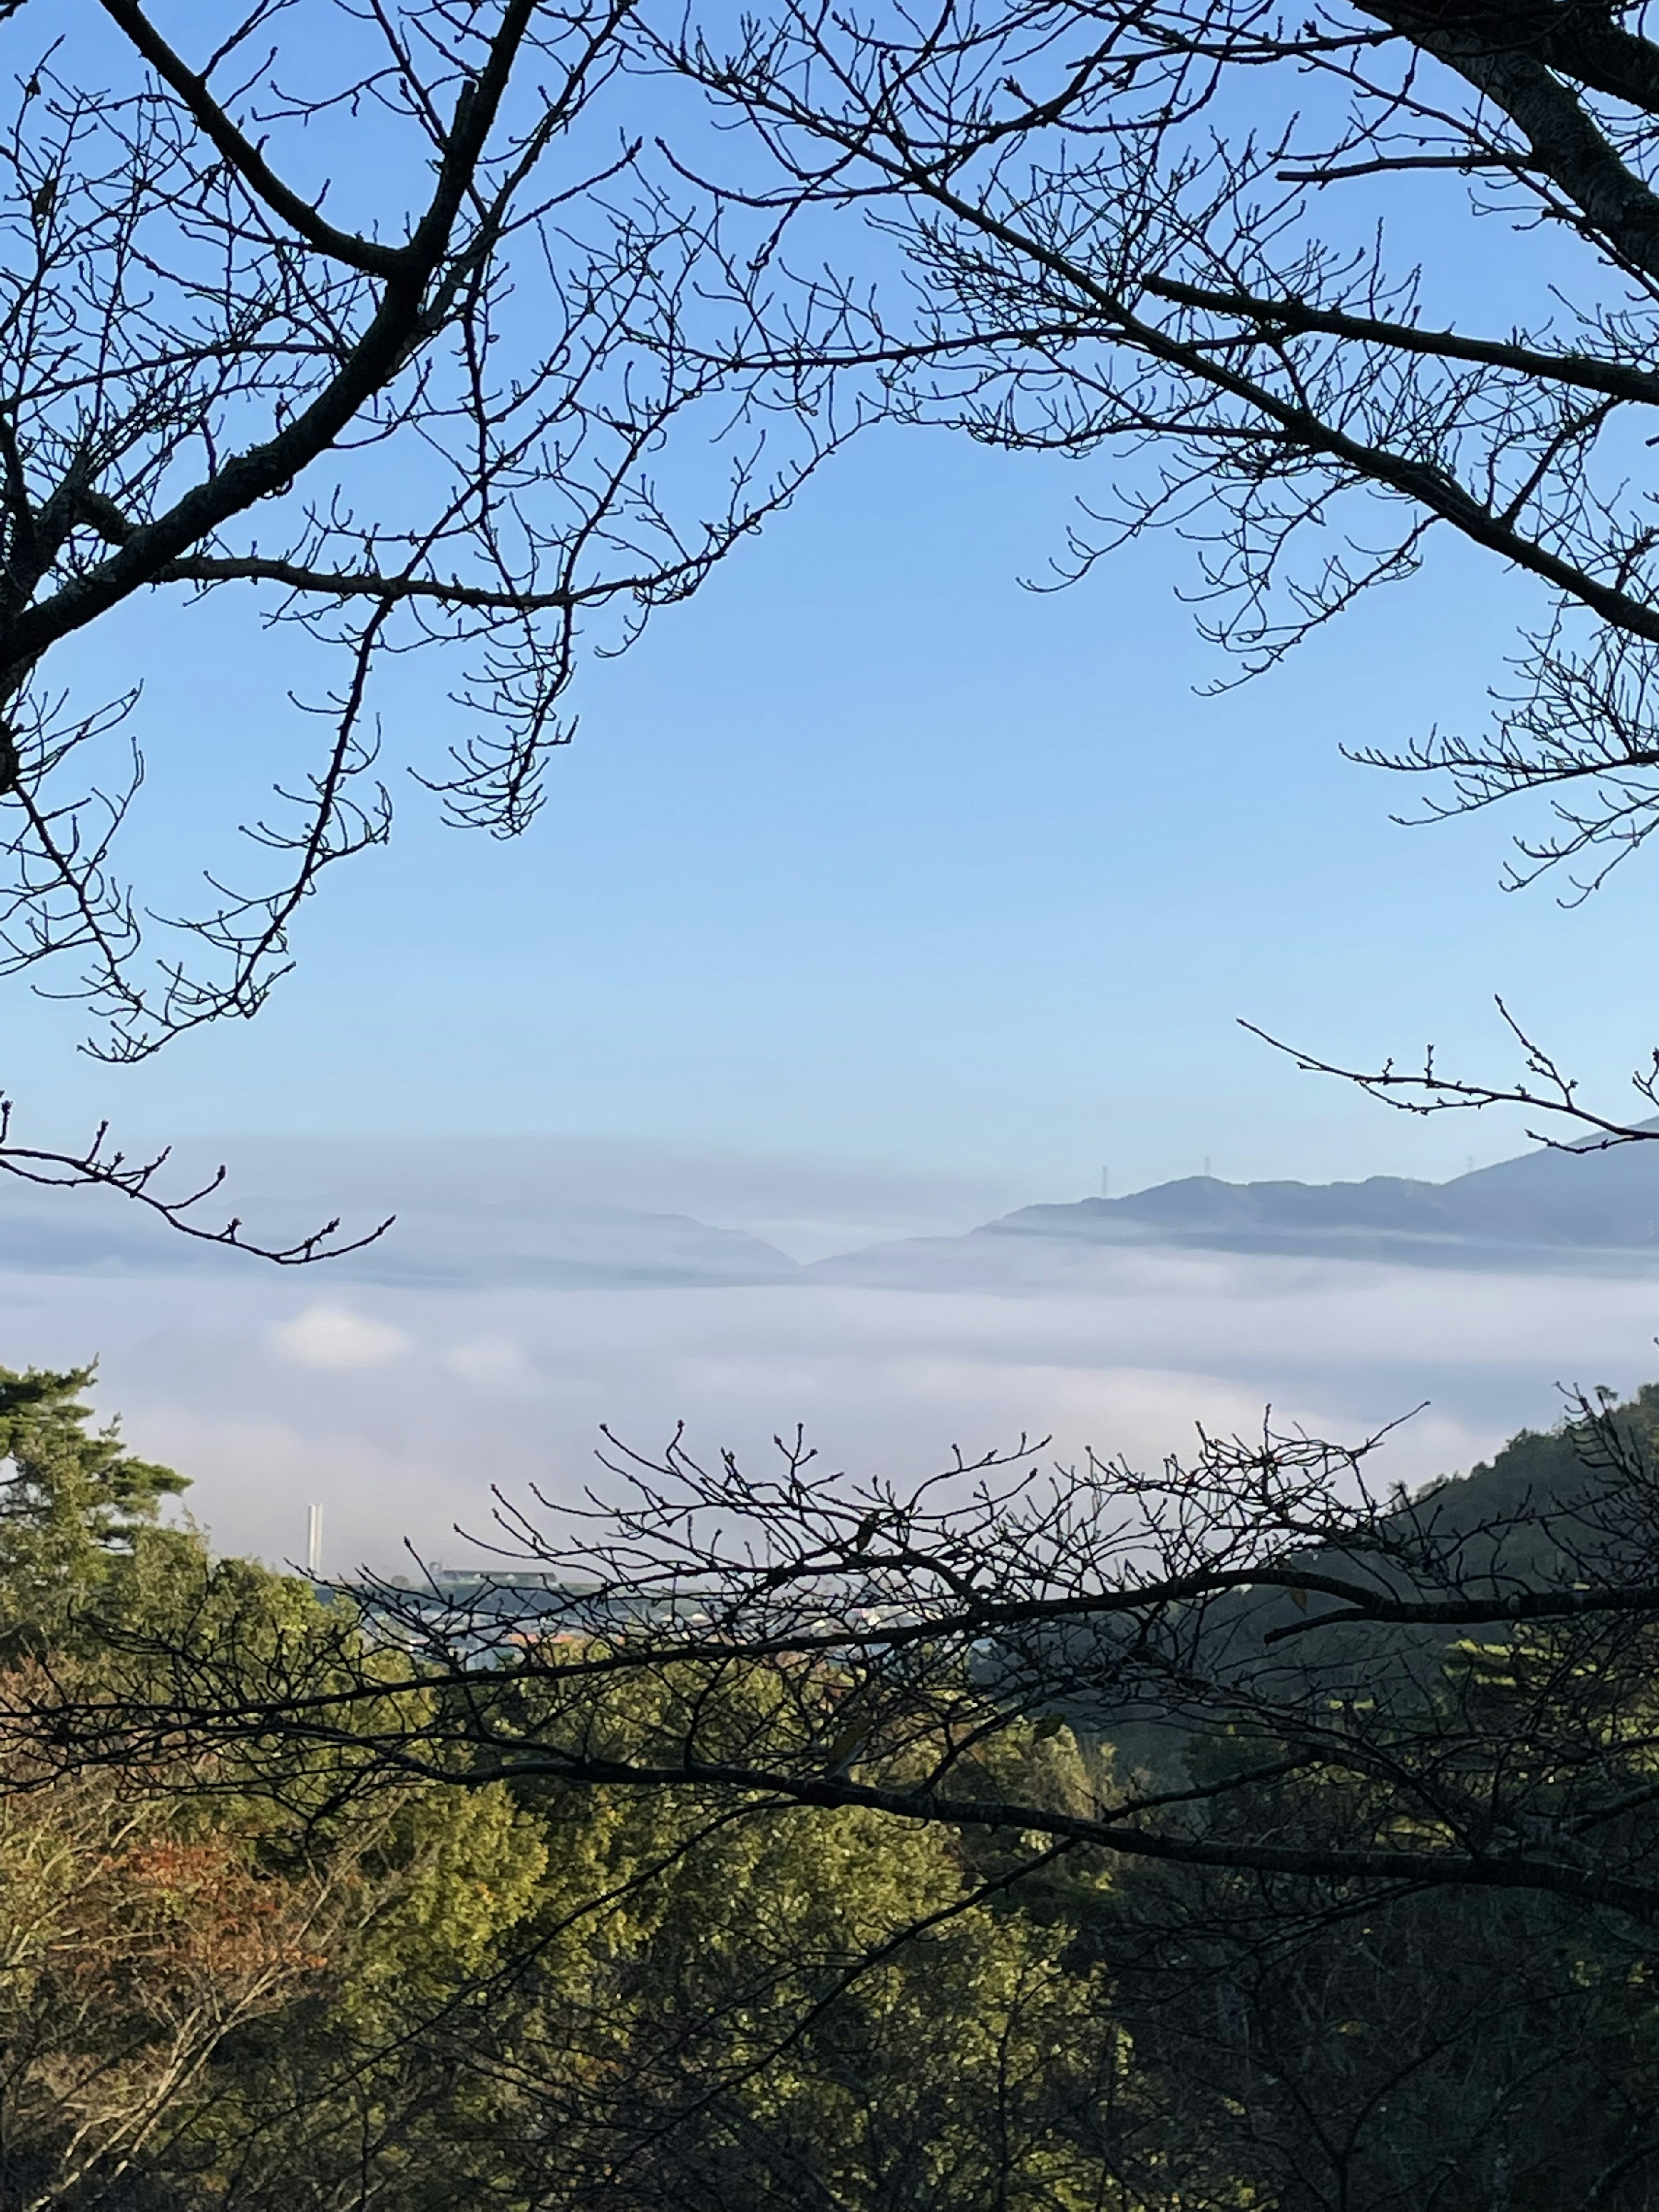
[{"x": 75, "y": 1506}]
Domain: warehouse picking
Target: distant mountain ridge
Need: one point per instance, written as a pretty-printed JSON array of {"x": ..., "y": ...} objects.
[
  {"x": 1543, "y": 1208},
  {"x": 1523, "y": 1201},
  {"x": 502, "y": 1214},
  {"x": 486, "y": 1216}
]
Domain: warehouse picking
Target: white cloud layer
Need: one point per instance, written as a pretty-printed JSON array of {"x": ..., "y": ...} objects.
[
  {"x": 336, "y": 1338},
  {"x": 399, "y": 1408}
]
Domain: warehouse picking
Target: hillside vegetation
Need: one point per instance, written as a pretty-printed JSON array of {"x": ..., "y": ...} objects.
[{"x": 229, "y": 1981}]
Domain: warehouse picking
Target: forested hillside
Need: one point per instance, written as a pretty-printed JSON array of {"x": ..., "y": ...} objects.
[{"x": 229, "y": 1978}]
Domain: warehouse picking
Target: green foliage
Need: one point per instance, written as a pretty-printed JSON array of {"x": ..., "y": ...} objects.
[
  {"x": 452, "y": 1873},
  {"x": 242, "y": 1984},
  {"x": 776, "y": 1992},
  {"x": 77, "y": 1508}
]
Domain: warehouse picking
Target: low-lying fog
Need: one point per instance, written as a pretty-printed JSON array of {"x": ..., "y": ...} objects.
[{"x": 397, "y": 1407}]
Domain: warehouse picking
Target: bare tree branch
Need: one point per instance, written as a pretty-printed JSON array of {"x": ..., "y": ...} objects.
[
  {"x": 795, "y": 1638},
  {"x": 97, "y": 1166}
]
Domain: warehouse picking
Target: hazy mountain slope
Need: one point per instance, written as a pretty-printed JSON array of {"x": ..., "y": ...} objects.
[
  {"x": 1551, "y": 1507},
  {"x": 497, "y": 1215},
  {"x": 527, "y": 1212},
  {"x": 1544, "y": 1208}
]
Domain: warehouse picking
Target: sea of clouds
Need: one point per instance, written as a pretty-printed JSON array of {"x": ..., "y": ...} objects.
[{"x": 398, "y": 1407}]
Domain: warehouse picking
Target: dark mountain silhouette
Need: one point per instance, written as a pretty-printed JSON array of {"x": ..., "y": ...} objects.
[
  {"x": 1593, "y": 1200},
  {"x": 1544, "y": 1208},
  {"x": 507, "y": 1212}
]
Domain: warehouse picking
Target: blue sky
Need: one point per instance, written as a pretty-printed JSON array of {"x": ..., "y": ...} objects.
[
  {"x": 870, "y": 853},
  {"x": 867, "y": 855}
]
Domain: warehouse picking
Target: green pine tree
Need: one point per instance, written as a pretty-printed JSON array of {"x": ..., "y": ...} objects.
[{"x": 75, "y": 1506}]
